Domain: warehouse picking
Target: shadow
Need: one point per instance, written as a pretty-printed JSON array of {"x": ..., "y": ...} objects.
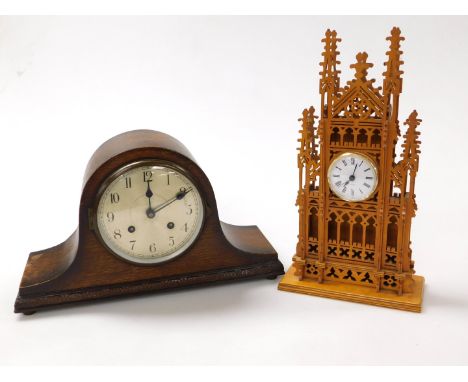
[{"x": 434, "y": 300}]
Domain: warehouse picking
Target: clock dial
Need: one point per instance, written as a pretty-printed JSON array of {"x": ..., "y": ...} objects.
[
  {"x": 353, "y": 176},
  {"x": 149, "y": 213}
]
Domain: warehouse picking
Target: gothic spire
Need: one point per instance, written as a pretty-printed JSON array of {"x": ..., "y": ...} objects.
[
  {"x": 392, "y": 76},
  {"x": 330, "y": 80},
  {"x": 411, "y": 142},
  {"x": 307, "y": 134}
]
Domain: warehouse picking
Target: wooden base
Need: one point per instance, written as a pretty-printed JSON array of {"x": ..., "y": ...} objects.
[
  {"x": 49, "y": 280},
  {"x": 82, "y": 268},
  {"x": 31, "y": 304},
  {"x": 410, "y": 302}
]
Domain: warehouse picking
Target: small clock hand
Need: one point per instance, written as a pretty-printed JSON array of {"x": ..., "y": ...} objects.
[
  {"x": 180, "y": 195},
  {"x": 352, "y": 177},
  {"x": 149, "y": 194}
]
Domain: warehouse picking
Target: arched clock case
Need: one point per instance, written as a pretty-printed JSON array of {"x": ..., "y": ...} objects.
[{"x": 85, "y": 267}]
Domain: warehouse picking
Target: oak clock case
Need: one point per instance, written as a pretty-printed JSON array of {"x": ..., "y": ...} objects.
[{"x": 148, "y": 221}]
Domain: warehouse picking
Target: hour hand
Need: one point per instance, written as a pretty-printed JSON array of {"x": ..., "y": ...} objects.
[
  {"x": 149, "y": 211},
  {"x": 149, "y": 193}
]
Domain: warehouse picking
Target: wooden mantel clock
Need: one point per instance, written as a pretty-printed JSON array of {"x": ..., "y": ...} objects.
[
  {"x": 356, "y": 199},
  {"x": 148, "y": 221}
]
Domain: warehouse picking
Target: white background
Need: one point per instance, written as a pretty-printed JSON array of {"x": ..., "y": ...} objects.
[{"x": 231, "y": 89}]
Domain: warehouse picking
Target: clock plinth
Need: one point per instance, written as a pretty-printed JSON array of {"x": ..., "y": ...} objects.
[
  {"x": 83, "y": 268},
  {"x": 409, "y": 301},
  {"x": 356, "y": 200}
]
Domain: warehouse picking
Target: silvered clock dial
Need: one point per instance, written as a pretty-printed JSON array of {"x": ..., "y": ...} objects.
[{"x": 149, "y": 213}]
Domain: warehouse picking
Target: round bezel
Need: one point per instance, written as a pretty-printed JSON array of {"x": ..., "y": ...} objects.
[
  {"x": 348, "y": 154},
  {"x": 148, "y": 260}
]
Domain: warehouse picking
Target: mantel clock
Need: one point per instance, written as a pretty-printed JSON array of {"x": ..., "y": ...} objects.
[
  {"x": 356, "y": 199},
  {"x": 148, "y": 221}
]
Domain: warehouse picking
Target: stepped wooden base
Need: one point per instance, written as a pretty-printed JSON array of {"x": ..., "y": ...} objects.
[
  {"x": 408, "y": 301},
  {"x": 31, "y": 304}
]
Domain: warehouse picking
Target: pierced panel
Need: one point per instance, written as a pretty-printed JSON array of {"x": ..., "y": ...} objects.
[
  {"x": 312, "y": 250},
  {"x": 350, "y": 253},
  {"x": 351, "y": 135},
  {"x": 392, "y": 233},
  {"x": 389, "y": 281},
  {"x": 351, "y": 235},
  {"x": 311, "y": 270},
  {"x": 337, "y": 272},
  {"x": 313, "y": 223}
]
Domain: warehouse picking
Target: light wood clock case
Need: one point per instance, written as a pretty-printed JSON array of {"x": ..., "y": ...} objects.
[
  {"x": 356, "y": 198},
  {"x": 148, "y": 221}
]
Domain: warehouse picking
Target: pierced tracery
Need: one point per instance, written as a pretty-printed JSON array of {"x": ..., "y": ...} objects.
[{"x": 365, "y": 243}]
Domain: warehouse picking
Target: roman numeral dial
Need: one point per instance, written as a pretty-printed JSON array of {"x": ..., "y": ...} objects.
[{"x": 353, "y": 176}]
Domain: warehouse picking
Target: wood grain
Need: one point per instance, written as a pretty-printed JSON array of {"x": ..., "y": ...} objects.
[
  {"x": 357, "y": 244},
  {"x": 82, "y": 269}
]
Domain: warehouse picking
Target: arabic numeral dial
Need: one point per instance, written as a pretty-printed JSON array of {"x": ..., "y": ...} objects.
[{"x": 149, "y": 212}]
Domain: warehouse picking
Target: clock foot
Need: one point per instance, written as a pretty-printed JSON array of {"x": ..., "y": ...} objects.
[
  {"x": 272, "y": 277},
  {"x": 29, "y": 313}
]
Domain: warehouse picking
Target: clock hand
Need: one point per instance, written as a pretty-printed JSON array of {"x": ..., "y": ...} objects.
[
  {"x": 149, "y": 211},
  {"x": 352, "y": 177},
  {"x": 180, "y": 195}
]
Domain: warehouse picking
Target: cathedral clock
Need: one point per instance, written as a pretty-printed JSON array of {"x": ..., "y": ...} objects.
[{"x": 356, "y": 197}]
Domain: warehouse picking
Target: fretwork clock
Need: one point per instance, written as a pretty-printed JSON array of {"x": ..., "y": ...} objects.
[
  {"x": 148, "y": 221},
  {"x": 356, "y": 200}
]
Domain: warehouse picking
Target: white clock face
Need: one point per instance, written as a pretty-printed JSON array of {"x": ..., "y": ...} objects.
[
  {"x": 149, "y": 213},
  {"x": 352, "y": 176}
]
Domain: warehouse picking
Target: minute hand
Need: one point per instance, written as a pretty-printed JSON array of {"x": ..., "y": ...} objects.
[{"x": 178, "y": 196}]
